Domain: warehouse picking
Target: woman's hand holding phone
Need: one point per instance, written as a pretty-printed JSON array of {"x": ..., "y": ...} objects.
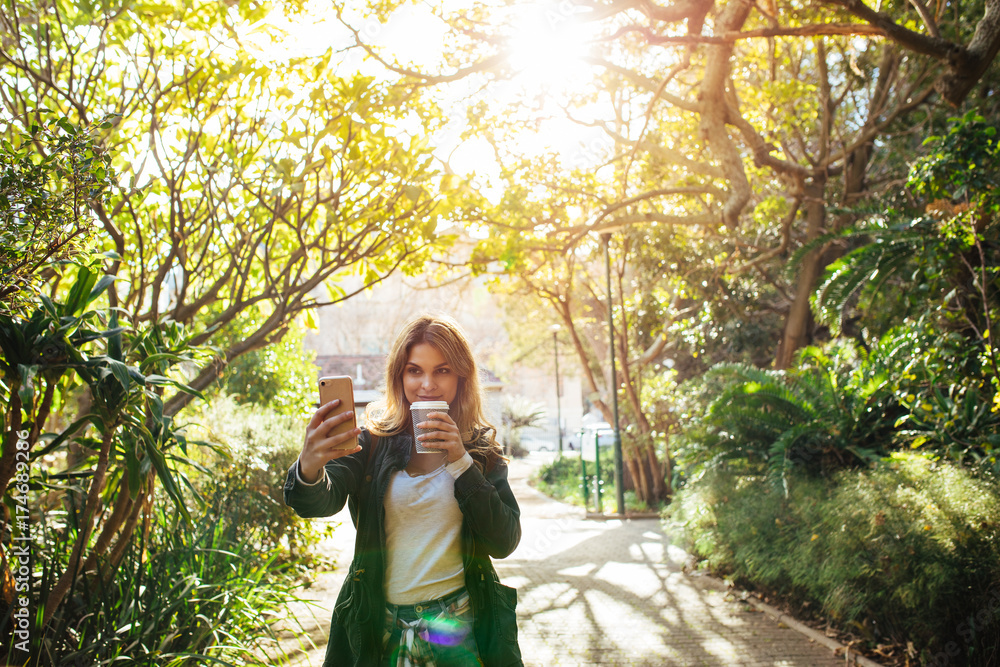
[{"x": 320, "y": 446}]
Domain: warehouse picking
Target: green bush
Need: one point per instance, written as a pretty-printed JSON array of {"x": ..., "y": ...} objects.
[
  {"x": 835, "y": 410},
  {"x": 184, "y": 591},
  {"x": 280, "y": 376},
  {"x": 561, "y": 480},
  {"x": 907, "y": 551},
  {"x": 252, "y": 449}
]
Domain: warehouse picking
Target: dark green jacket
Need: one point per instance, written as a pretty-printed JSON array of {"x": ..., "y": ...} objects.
[{"x": 491, "y": 527}]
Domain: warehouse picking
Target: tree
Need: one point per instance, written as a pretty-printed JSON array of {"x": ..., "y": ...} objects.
[
  {"x": 43, "y": 202},
  {"x": 244, "y": 190},
  {"x": 519, "y": 413},
  {"x": 247, "y": 187},
  {"x": 752, "y": 127},
  {"x": 713, "y": 109},
  {"x": 69, "y": 342},
  {"x": 571, "y": 286},
  {"x": 923, "y": 276}
]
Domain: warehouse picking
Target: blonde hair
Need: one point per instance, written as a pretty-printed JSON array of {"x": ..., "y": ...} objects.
[{"x": 391, "y": 414}]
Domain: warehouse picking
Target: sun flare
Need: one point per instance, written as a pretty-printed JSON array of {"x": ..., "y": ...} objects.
[{"x": 548, "y": 48}]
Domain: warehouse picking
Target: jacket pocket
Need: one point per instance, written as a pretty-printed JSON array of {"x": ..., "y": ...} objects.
[
  {"x": 351, "y": 595},
  {"x": 505, "y": 611}
]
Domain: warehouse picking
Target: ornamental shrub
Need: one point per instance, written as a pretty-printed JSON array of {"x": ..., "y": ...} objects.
[{"x": 906, "y": 551}]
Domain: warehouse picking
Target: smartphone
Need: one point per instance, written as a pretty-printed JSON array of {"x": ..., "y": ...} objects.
[{"x": 339, "y": 386}]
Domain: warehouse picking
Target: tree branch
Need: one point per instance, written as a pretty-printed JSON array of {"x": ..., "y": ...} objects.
[
  {"x": 927, "y": 18},
  {"x": 714, "y": 111},
  {"x": 730, "y": 37},
  {"x": 913, "y": 41},
  {"x": 486, "y": 64},
  {"x": 967, "y": 65}
]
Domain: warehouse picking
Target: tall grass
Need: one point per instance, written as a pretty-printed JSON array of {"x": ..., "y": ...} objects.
[
  {"x": 201, "y": 592},
  {"x": 179, "y": 597},
  {"x": 258, "y": 448},
  {"x": 182, "y": 595}
]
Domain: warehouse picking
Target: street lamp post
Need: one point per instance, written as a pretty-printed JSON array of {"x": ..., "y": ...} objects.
[
  {"x": 555, "y": 348},
  {"x": 619, "y": 465}
]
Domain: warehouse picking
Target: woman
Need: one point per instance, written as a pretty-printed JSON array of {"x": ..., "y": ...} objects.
[{"x": 421, "y": 589}]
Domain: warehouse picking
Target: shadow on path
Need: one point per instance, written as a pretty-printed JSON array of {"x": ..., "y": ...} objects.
[
  {"x": 614, "y": 593},
  {"x": 597, "y": 593}
]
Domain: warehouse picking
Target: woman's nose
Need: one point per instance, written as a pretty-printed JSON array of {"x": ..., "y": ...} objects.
[{"x": 428, "y": 382}]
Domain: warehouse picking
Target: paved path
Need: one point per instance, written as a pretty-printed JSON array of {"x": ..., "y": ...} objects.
[{"x": 601, "y": 593}]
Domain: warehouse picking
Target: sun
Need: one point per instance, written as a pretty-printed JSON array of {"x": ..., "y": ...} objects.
[{"x": 548, "y": 46}]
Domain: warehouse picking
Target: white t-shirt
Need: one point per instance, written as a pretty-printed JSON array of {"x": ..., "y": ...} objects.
[{"x": 423, "y": 527}]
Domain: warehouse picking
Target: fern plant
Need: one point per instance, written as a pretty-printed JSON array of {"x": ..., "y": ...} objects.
[
  {"x": 836, "y": 410},
  {"x": 942, "y": 259},
  {"x": 928, "y": 285}
]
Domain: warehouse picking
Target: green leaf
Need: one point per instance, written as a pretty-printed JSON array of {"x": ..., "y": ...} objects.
[
  {"x": 76, "y": 301},
  {"x": 99, "y": 288},
  {"x": 161, "y": 380},
  {"x": 66, "y": 125},
  {"x": 65, "y": 434},
  {"x": 81, "y": 337},
  {"x": 26, "y": 392},
  {"x": 167, "y": 479},
  {"x": 120, "y": 371},
  {"x": 135, "y": 475},
  {"x": 115, "y": 339}
]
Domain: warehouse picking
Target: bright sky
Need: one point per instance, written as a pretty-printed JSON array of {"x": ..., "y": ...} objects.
[{"x": 547, "y": 44}]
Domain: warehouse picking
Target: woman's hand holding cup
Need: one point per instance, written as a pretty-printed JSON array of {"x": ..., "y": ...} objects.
[
  {"x": 441, "y": 433},
  {"x": 320, "y": 446}
]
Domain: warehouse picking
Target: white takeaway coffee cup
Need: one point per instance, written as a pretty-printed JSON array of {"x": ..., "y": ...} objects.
[{"x": 419, "y": 412}]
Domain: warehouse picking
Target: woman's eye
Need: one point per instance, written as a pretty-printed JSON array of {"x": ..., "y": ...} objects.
[
  {"x": 413, "y": 371},
  {"x": 444, "y": 371}
]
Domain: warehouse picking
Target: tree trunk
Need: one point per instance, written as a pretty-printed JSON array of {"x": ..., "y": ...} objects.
[
  {"x": 668, "y": 473},
  {"x": 8, "y": 458},
  {"x": 588, "y": 376},
  {"x": 644, "y": 490},
  {"x": 84, "y": 404},
  {"x": 143, "y": 502},
  {"x": 649, "y": 486},
  {"x": 659, "y": 490},
  {"x": 68, "y": 577},
  {"x": 633, "y": 468},
  {"x": 122, "y": 509},
  {"x": 799, "y": 319}
]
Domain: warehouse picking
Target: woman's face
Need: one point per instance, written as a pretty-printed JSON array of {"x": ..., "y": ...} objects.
[{"x": 428, "y": 376}]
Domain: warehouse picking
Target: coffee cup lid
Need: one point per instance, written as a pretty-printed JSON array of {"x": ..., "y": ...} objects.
[{"x": 429, "y": 405}]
